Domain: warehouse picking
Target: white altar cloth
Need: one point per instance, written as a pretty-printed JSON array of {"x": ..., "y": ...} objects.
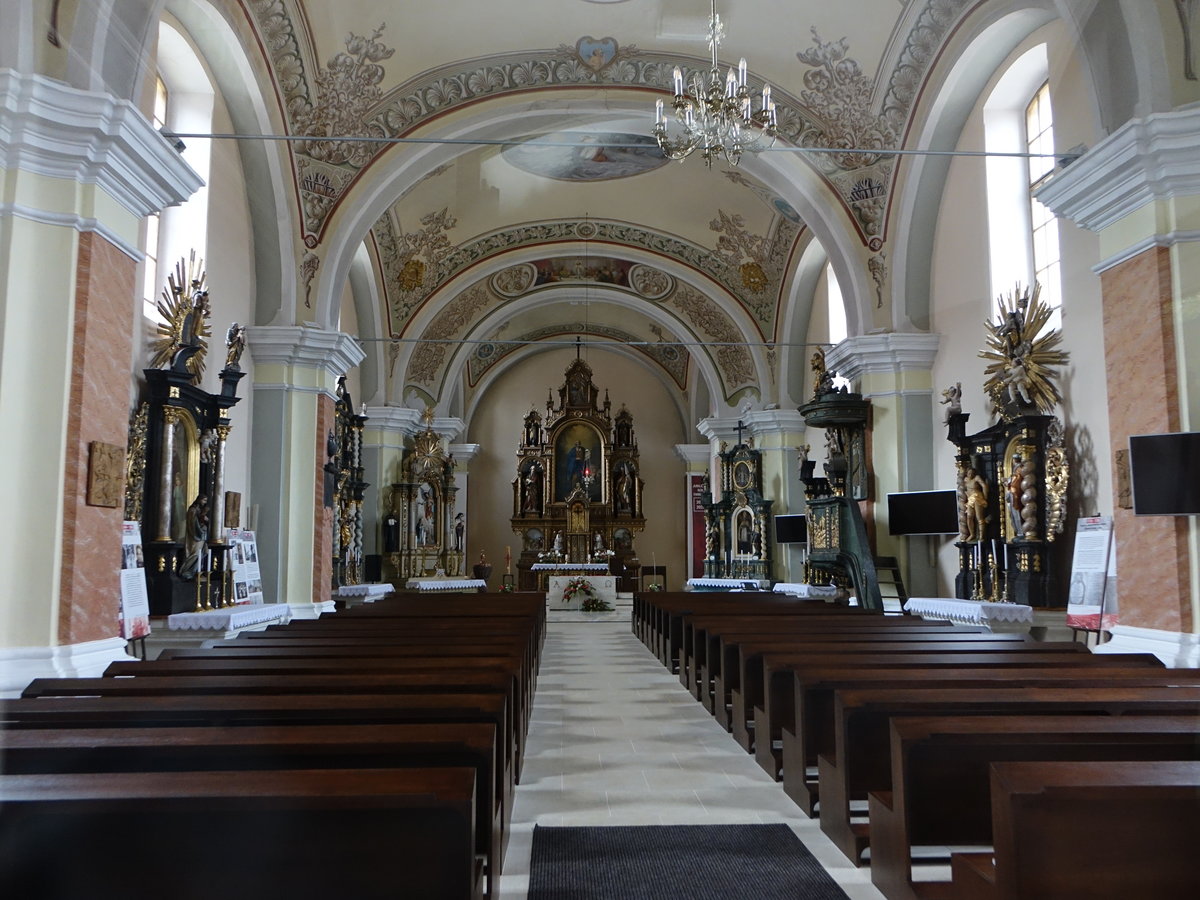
[
  {"x": 569, "y": 567},
  {"x": 722, "y": 584},
  {"x": 805, "y": 590},
  {"x": 425, "y": 585},
  {"x": 971, "y": 612},
  {"x": 603, "y": 587},
  {"x": 229, "y": 618},
  {"x": 364, "y": 590}
]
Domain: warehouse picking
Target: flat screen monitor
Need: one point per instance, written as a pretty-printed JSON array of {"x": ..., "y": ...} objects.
[
  {"x": 791, "y": 529},
  {"x": 923, "y": 512},
  {"x": 1164, "y": 472}
]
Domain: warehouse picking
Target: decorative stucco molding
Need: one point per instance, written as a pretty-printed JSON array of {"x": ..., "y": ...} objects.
[{"x": 883, "y": 354}]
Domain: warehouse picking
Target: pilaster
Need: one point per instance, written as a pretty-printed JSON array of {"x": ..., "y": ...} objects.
[
  {"x": 295, "y": 382},
  {"x": 1139, "y": 190}
]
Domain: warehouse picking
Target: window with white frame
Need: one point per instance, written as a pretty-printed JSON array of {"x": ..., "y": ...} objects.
[
  {"x": 837, "y": 306},
  {"x": 1039, "y": 138},
  {"x": 150, "y": 269},
  {"x": 1019, "y": 138}
]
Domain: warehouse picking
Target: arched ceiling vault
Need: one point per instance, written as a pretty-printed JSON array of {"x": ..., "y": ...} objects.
[{"x": 473, "y": 150}]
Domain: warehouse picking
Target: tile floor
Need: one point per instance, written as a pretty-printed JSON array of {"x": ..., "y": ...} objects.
[{"x": 615, "y": 739}]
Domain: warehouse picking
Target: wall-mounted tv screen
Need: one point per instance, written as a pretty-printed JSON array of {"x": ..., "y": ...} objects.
[
  {"x": 791, "y": 529},
  {"x": 923, "y": 512},
  {"x": 1164, "y": 472}
]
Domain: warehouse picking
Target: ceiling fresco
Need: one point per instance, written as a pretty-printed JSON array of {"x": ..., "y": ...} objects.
[{"x": 547, "y": 165}]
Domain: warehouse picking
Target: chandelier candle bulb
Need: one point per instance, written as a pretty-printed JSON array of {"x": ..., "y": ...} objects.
[
  {"x": 678, "y": 76},
  {"x": 658, "y": 112},
  {"x": 742, "y": 72}
]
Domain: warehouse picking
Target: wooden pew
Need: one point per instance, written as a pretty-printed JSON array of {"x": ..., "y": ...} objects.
[
  {"x": 184, "y": 668},
  {"x": 1088, "y": 831},
  {"x": 474, "y": 745},
  {"x": 861, "y": 762},
  {"x": 703, "y": 635},
  {"x": 750, "y": 686},
  {"x": 809, "y": 730},
  {"x": 242, "y": 835},
  {"x": 941, "y": 784}
]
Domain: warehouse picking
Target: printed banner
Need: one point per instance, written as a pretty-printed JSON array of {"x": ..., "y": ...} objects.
[
  {"x": 1092, "y": 600},
  {"x": 135, "y": 601}
]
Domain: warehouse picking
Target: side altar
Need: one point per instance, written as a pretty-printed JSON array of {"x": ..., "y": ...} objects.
[{"x": 577, "y": 496}]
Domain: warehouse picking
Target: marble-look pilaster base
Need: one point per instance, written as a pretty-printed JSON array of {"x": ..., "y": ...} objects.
[
  {"x": 1179, "y": 651},
  {"x": 20, "y": 665}
]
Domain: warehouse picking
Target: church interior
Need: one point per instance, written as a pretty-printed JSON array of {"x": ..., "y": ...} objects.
[{"x": 536, "y": 363}]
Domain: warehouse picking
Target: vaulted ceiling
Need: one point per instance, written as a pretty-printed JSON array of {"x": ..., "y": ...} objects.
[{"x": 486, "y": 170}]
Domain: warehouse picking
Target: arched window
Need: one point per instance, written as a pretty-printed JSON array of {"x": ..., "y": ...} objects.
[
  {"x": 836, "y": 307},
  {"x": 1022, "y": 233},
  {"x": 183, "y": 103},
  {"x": 150, "y": 245}
]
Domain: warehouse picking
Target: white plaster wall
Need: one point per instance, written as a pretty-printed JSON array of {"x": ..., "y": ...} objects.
[{"x": 496, "y": 427}]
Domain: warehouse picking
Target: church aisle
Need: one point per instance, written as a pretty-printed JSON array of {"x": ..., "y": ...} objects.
[{"x": 615, "y": 739}]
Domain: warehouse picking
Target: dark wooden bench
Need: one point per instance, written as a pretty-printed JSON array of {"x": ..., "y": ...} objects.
[
  {"x": 941, "y": 791},
  {"x": 703, "y": 634},
  {"x": 240, "y": 835},
  {"x": 1088, "y": 831},
  {"x": 750, "y": 686},
  {"x": 861, "y": 762},
  {"x": 809, "y": 730},
  {"x": 455, "y": 744}
]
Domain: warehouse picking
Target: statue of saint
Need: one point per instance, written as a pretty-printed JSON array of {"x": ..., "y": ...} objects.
[
  {"x": 952, "y": 397},
  {"x": 197, "y": 537},
  {"x": 235, "y": 343},
  {"x": 976, "y": 491}
]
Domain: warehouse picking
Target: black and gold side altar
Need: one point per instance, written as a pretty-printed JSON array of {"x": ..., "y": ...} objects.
[
  {"x": 345, "y": 488},
  {"x": 839, "y": 547},
  {"x": 577, "y": 497},
  {"x": 179, "y": 446},
  {"x": 1012, "y": 476},
  {"x": 427, "y": 541},
  {"x": 736, "y": 533}
]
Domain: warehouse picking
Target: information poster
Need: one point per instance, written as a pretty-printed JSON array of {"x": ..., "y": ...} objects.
[
  {"x": 247, "y": 578},
  {"x": 697, "y": 528},
  {"x": 135, "y": 601},
  {"x": 1092, "y": 599}
]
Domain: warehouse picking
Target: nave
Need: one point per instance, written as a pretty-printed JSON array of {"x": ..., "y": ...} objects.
[{"x": 615, "y": 739}]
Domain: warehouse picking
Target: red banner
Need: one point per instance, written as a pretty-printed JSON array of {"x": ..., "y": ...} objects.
[{"x": 696, "y": 526}]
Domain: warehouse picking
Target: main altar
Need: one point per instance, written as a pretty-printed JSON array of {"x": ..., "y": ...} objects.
[{"x": 577, "y": 495}]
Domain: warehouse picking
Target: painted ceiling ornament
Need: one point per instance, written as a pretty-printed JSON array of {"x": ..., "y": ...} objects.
[
  {"x": 740, "y": 249},
  {"x": 515, "y": 280},
  {"x": 309, "y": 265},
  {"x": 732, "y": 356},
  {"x": 837, "y": 91},
  {"x": 877, "y": 265},
  {"x": 410, "y": 261},
  {"x": 453, "y": 321},
  {"x": 649, "y": 282},
  {"x": 1019, "y": 377}
]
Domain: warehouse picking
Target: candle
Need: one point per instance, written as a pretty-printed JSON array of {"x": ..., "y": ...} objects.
[
  {"x": 658, "y": 112},
  {"x": 742, "y": 72},
  {"x": 730, "y": 83},
  {"x": 678, "y": 79},
  {"x": 508, "y": 560}
]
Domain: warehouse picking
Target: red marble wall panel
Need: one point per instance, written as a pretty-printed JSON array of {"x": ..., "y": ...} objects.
[
  {"x": 1143, "y": 398},
  {"x": 323, "y": 519},
  {"x": 99, "y": 400}
]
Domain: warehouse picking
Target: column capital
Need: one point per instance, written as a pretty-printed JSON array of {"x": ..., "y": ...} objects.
[
  {"x": 774, "y": 421},
  {"x": 694, "y": 454},
  {"x": 51, "y": 129},
  {"x": 393, "y": 419},
  {"x": 883, "y": 354},
  {"x": 1145, "y": 160},
  {"x": 330, "y": 353},
  {"x": 718, "y": 428},
  {"x": 464, "y": 453}
]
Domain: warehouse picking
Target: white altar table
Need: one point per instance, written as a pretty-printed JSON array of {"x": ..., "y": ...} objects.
[
  {"x": 363, "y": 593},
  {"x": 809, "y": 591},
  {"x": 433, "y": 585},
  {"x": 995, "y": 616},
  {"x": 723, "y": 584},
  {"x": 603, "y": 586},
  {"x": 229, "y": 618}
]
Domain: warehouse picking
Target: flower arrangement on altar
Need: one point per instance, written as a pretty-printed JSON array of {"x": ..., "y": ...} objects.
[
  {"x": 506, "y": 588},
  {"x": 580, "y": 585},
  {"x": 550, "y": 556},
  {"x": 603, "y": 555}
]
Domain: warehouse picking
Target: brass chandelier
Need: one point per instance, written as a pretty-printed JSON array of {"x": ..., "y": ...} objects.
[{"x": 716, "y": 115}]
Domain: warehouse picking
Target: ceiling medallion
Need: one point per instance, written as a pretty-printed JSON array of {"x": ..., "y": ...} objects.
[{"x": 716, "y": 116}]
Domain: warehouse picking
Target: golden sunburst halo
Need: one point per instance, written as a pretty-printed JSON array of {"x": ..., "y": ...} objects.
[
  {"x": 1020, "y": 358},
  {"x": 176, "y": 303}
]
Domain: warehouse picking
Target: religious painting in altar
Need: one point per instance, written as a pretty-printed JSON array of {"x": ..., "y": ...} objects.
[
  {"x": 185, "y": 470},
  {"x": 578, "y": 457}
]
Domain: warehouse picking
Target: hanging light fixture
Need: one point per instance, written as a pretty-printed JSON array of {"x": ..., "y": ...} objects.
[{"x": 716, "y": 115}]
